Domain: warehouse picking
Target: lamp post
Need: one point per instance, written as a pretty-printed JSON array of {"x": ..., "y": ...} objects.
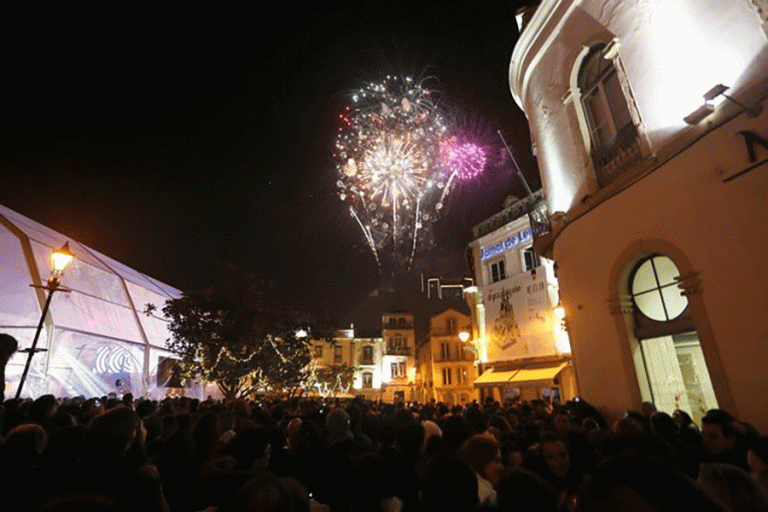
[{"x": 60, "y": 260}]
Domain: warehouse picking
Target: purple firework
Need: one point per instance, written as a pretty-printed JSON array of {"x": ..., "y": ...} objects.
[{"x": 464, "y": 159}]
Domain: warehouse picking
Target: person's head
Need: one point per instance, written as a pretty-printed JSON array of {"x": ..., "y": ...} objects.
[
  {"x": 448, "y": 484},
  {"x": 717, "y": 432},
  {"x": 111, "y": 434},
  {"x": 733, "y": 486},
  {"x": 525, "y": 491},
  {"x": 8, "y": 345},
  {"x": 555, "y": 454},
  {"x": 483, "y": 454},
  {"x": 641, "y": 483},
  {"x": 757, "y": 458},
  {"x": 562, "y": 420}
]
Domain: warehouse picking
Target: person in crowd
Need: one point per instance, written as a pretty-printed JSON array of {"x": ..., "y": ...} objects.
[
  {"x": 723, "y": 439},
  {"x": 733, "y": 487},
  {"x": 483, "y": 453},
  {"x": 448, "y": 484},
  {"x": 757, "y": 459},
  {"x": 525, "y": 491},
  {"x": 8, "y": 345}
]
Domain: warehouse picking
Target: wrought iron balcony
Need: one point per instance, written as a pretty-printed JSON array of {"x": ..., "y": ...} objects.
[{"x": 398, "y": 351}]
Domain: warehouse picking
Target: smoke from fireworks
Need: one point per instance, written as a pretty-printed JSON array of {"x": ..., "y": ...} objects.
[{"x": 388, "y": 160}]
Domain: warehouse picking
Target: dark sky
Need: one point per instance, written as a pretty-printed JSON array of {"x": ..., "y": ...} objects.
[{"x": 166, "y": 141}]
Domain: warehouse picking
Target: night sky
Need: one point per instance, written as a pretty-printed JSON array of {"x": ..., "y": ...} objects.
[{"x": 168, "y": 140}]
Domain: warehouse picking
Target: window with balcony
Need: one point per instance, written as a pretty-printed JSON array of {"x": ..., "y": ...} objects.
[{"x": 614, "y": 142}]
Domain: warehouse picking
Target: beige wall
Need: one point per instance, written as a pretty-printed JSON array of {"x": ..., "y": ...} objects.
[{"x": 713, "y": 229}]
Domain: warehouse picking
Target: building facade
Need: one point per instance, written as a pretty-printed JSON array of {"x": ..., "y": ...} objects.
[
  {"x": 446, "y": 360},
  {"x": 648, "y": 122},
  {"x": 398, "y": 331},
  {"x": 348, "y": 366},
  {"x": 522, "y": 347}
]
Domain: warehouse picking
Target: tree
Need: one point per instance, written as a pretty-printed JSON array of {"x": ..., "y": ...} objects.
[
  {"x": 335, "y": 379},
  {"x": 235, "y": 335}
]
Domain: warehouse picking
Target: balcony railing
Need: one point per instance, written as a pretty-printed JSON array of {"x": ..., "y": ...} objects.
[{"x": 398, "y": 351}]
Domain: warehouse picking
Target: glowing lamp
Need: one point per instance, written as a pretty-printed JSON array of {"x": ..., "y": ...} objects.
[
  {"x": 560, "y": 312},
  {"x": 60, "y": 260},
  {"x": 464, "y": 336}
]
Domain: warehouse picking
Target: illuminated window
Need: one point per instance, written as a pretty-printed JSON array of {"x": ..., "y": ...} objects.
[
  {"x": 655, "y": 292},
  {"x": 613, "y": 135},
  {"x": 367, "y": 380},
  {"x": 671, "y": 363}
]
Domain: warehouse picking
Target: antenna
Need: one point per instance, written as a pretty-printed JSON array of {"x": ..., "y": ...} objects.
[{"x": 519, "y": 173}]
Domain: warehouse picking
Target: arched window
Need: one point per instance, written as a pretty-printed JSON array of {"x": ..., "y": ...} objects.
[
  {"x": 613, "y": 135},
  {"x": 672, "y": 363}
]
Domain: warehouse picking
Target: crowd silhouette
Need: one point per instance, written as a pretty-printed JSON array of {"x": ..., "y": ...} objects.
[{"x": 182, "y": 454}]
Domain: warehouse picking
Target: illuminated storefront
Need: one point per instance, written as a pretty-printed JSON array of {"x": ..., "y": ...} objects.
[{"x": 521, "y": 344}]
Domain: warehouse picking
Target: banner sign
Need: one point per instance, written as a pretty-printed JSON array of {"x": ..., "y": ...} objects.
[{"x": 519, "y": 319}]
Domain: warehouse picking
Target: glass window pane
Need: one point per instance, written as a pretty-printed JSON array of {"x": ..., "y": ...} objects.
[
  {"x": 650, "y": 305},
  {"x": 665, "y": 270},
  {"x": 644, "y": 279},
  {"x": 674, "y": 301},
  {"x": 618, "y": 104}
]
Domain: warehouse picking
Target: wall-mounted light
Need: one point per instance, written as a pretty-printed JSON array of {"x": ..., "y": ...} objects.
[
  {"x": 464, "y": 336},
  {"x": 707, "y": 108}
]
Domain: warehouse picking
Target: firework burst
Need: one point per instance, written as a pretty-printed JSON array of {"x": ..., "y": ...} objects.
[{"x": 388, "y": 160}]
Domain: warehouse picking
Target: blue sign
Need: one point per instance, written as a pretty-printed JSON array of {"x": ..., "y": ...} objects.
[{"x": 514, "y": 240}]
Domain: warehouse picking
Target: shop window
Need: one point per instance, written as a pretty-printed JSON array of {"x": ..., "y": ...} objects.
[
  {"x": 671, "y": 361},
  {"x": 613, "y": 135}
]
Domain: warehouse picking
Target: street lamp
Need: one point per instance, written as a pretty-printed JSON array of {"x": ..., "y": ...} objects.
[
  {"x": 464, "y": 336},
  {"x": 60, "y": 260}
]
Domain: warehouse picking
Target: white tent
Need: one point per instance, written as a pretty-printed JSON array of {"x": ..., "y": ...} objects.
[{"x": 95, "y": 336}]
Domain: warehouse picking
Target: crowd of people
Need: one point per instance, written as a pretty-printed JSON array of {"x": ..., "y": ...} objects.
[{"x": 188, "y": 455}]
